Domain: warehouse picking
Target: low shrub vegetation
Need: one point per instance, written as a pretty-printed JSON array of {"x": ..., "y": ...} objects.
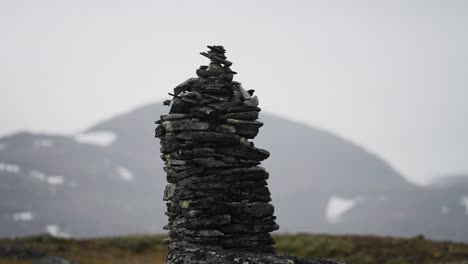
[{"x": 151, "y": 249}]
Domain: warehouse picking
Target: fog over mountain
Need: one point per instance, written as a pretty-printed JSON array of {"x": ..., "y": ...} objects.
[
  {"x": 390, "y": 75},
  {"x": 109, "y": 180}
]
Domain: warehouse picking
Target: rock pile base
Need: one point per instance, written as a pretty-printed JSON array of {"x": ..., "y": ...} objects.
[{"x": 236, "y": 257}]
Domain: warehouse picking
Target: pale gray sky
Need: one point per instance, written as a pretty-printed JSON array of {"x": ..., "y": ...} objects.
[{"x": 389, "y": 75}]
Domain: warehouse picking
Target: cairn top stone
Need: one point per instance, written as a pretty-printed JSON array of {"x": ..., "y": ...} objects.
[
  {"x": 217, "y": 55},
  {"x": 217, "y": 50}
]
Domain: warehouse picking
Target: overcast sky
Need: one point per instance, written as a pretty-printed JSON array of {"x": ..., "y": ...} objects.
[{"x": 389, "y": 75}]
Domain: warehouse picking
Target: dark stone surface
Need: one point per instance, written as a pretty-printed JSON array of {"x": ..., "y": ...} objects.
[
  {"x": 235, "y": 257},
  {"x": 217, "y": 197}
]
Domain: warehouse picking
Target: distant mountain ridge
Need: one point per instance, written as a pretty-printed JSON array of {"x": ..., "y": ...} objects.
[
  {"x": 450, "y": 181},
  {"x": 109, "y": 180}
]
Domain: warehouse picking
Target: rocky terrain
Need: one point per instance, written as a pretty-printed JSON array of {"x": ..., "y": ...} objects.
[{"x": 151, "y": 249}]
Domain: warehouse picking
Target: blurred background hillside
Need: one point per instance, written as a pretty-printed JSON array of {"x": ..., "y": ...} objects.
[{"x": 364, "y": 106}]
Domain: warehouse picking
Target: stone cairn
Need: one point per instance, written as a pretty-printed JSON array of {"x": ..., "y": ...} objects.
[{"x": 217, "y": 196}]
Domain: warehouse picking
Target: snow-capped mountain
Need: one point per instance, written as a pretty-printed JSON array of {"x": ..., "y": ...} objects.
[{"x": 109, "y": 180}]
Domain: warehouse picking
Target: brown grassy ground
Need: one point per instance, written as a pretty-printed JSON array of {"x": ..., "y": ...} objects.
[{"x": 150, "y": 249}]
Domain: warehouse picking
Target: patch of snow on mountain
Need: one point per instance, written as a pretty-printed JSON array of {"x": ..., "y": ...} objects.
[
  {"x": 444, "y": 210},
  {"x": 52, "y": 179},
  {"x": 55, "y": 180},
  {"x": 2, "y": 146},
  {"x": 54, "y": 230},
  {"x": 337, "y": 207},
  {"x": 11, "y": 168},
  {"x": 37, "y": 175},
  {"x": 99, "y": 138},
  {"x": 22, "y": 216},
  {"x": 464, "y": 202},
  {"x": 43, "y": 143},
  {"x": 124, "y": 173}
]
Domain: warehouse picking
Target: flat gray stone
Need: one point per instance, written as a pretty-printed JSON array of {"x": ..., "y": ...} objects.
[
  {"x": 180, "y": 125},
  {"x": 233, "y": 121},
  {"x": 171, "y": 117},
  {"x": 226, "y": 129},
  {"x": 208, "y": 137},
  {"x": 252, "y": 102}
]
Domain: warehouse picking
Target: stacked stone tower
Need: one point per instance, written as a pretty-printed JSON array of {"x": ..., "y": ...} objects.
[
  {"x": 218, "y": 202},
  {"x": 217, "y": 196}
]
